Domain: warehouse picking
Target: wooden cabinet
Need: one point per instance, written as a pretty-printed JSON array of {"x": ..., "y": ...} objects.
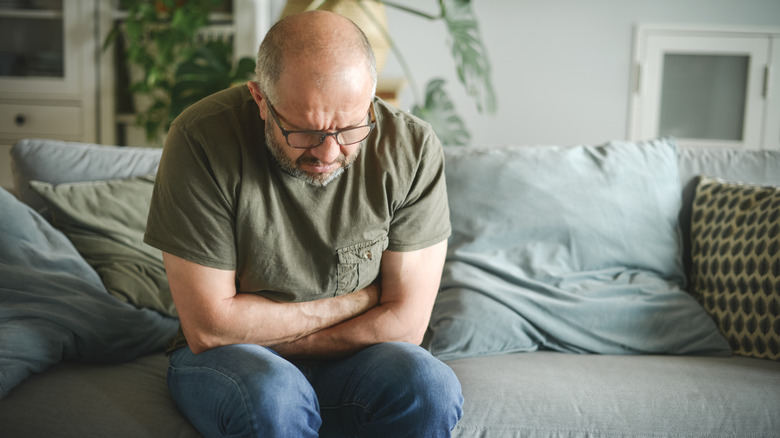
[
  {"x": 47, "y": 73},
  {"x": 57, "y": 81}
]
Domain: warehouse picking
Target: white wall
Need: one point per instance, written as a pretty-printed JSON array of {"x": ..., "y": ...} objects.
[{"x": 561, "y": 68}]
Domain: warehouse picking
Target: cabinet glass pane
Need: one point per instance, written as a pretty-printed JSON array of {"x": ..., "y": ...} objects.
[
  {"x": 703, "y": 96},
  {"x": 31, "y": 42}
]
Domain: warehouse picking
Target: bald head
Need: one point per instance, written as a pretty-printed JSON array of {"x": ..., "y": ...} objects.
[{"x": 313, "y": 49}]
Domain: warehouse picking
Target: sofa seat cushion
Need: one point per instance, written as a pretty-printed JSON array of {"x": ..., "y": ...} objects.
[
  {"x": 95, "y": 401},
  {"x": 546, "y": 394}
]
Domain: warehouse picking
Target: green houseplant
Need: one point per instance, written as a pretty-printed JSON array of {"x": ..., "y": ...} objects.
[
  {"x": 207, "y": 70},
  {"x": 171, "y": 65}
]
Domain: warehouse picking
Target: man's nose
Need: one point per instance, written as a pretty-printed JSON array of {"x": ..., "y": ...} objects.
[{"x": 328, "y": 151}]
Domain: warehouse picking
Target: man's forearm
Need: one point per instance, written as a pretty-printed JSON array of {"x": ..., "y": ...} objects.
[
  {"x": 379, "y": 324},
  {"x": 287, "y": 322},
  {"x": 212, "y": 314},
  {"x": 410, "y": 282}
]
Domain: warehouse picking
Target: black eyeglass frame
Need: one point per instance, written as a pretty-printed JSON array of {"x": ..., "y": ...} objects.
[{"x": 322, "y": 134}]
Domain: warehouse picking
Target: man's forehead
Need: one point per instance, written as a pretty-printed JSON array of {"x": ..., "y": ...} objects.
[{"x": 343, "y": 83}]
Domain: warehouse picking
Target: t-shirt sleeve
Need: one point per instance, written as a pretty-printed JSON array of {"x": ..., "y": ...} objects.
[
  {"x": 191, "y": 212},
  {"x": 423, "y": 219}
]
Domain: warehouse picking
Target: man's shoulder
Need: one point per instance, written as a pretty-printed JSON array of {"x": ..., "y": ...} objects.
[
  {"x": 388, "y": 114},
  {"x": 402, "y": 135}
]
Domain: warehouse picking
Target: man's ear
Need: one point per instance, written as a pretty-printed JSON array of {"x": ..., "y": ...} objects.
[{"x": 254, "y": 90}]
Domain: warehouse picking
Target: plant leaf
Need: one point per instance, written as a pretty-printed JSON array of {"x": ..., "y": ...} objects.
[
  {"x": 208, "y": 70},
  {"x": 439, "y": 111},
  {"x": 470, "y": 54}
]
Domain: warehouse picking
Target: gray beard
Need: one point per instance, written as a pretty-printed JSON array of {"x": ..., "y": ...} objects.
[{"x": 292, "y": 168}]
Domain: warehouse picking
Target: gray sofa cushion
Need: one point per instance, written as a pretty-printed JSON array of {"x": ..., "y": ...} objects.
[
  {"x": 755, "y": 166},
  {"x": 573, "y": 249},
  {"x": 545, "y": 394},
  {"x": 95, "y": 401},
  {"x": 529, "y": 395},
  {"x": 59, "y": 162}
]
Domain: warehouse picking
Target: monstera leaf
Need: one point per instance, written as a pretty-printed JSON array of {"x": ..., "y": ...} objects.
[
  {"x": 472, "y": 66},
  {"x": 439, "y": 111},
  {"x": 469, "y": 53}
]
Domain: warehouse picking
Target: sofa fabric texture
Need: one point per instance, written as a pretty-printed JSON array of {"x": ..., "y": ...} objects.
[
  {"x": 550, "y": 394},
  {"x": 609, "y": 271}
]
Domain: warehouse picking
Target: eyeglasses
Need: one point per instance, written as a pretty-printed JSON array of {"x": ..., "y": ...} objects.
[{"x": 312, "y": 139}]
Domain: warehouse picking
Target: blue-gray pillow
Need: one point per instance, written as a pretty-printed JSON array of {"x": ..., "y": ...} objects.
[
  {"x": 53, "y": 305},
  {"x": 57, "y": 162},
  {"x": 572, "y": 249}
]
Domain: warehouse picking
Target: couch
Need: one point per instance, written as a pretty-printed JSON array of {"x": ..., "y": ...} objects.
[{"x": 624, "y": 289}]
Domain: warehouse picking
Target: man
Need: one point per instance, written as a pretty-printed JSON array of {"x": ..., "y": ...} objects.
[{"x": 303, "y": 225}]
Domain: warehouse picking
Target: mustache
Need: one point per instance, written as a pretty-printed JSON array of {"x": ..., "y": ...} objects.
[{"x": 314, "y": 161}]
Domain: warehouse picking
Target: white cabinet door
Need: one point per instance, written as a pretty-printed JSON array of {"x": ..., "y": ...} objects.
[
  {"x": 48, "y": 50},
  {"x": 47, "y": 71},
  {"x": 772, "y": 91},
  {"x": 703, "y": 87}
]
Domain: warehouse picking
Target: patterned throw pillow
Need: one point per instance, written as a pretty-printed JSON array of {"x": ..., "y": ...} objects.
[{"x": 736, "y": 263}]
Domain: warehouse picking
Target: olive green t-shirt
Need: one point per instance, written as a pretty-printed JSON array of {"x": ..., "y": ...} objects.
[{"x": 221, "y": 200}]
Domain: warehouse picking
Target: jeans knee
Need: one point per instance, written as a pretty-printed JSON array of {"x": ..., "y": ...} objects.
[
  {"x": 422, "y": 378},
  {"x": 243, "y": 390}
]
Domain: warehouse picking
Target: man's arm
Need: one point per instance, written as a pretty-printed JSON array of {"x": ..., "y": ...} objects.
[
  {"x": 213, "y": 314},
  {"x": 410, "y": 282}
]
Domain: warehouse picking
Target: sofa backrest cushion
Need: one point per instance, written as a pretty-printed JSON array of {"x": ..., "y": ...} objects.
[
  {"x": 572, "y": 249},
  {"x": 592, "y": 207},
  {"x": 57, "y": 162}
]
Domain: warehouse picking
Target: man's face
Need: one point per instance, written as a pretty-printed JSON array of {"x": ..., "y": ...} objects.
[
  {"x": 333, "y": 103},
  {"x": 303, "y": 164}
]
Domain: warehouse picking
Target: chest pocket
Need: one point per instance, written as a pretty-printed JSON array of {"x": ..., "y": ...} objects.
[{"x": 359, "y": 265}]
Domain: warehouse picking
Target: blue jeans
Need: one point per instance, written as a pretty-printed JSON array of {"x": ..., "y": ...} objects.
[{"x": 386, "y": 390}]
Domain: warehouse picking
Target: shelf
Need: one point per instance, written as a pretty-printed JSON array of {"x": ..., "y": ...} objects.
[
  {"x": 214, "y": 17},
  {"x": 31, "y": 13}
]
